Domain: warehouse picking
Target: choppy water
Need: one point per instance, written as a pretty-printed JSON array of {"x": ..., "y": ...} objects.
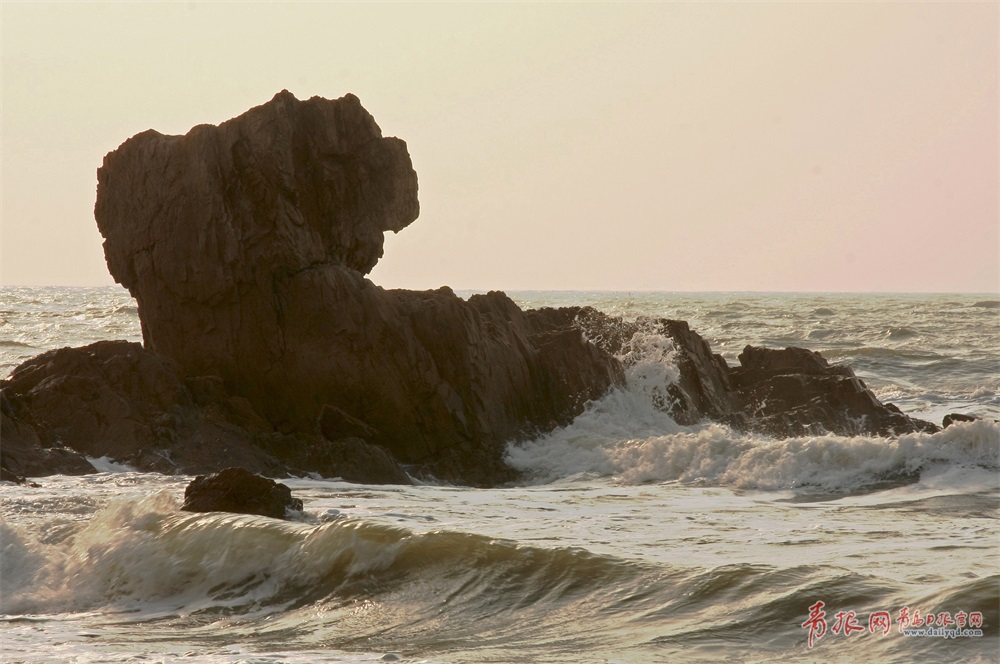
[{"x": 634, "y": 540}]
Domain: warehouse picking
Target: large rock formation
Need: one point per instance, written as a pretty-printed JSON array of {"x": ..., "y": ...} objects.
[{"x": 246, "y": 245}]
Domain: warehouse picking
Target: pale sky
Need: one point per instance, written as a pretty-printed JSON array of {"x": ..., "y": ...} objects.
[{"x": 792, "y": 146}]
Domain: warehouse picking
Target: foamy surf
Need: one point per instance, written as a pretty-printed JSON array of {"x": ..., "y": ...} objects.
[
  {"x": 628, "y": 436},
  {"x": 716, "y": 455}
]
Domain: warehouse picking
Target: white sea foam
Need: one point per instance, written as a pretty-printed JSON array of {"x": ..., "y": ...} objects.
[
  {"x": 628, "y": 436},
  {"x": 105, "y": 464},
  {"x": 616, "y": 437}
]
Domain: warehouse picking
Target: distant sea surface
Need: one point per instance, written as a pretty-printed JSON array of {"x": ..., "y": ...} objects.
[{"x": 633, "y": 539}]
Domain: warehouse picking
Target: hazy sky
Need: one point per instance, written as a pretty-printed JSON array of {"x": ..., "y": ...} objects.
[{"x": 843, "y": 146}]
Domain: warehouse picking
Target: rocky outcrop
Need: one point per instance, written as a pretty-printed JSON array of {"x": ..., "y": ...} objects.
[
  {"x": 703, "y": 388},
  {"x": 795, "y": 391},
  {"x": 239, "y": 491},
  {"x": 246, "y": 245},
  {"x": 22, "y": 453},
  {"x": 115, "y": 399},
  {"x": 780, "y": 393}
]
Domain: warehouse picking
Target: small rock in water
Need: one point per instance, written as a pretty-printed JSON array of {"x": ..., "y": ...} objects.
[
  {"x": 957, "y": 417},
  {"x": 239, "y": 491}
]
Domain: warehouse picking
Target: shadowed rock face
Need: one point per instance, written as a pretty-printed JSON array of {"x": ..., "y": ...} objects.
[
  {"x": 114, "y": 399},
  {"x": 22, "y": 451},
  {"x": 246, "y": 245}
]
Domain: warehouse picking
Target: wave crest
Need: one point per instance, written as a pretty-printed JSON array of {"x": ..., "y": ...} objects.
[{"x": 718, "y": 456}]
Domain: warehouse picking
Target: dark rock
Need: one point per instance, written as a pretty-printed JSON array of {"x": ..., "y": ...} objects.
[
  {"x": 796, "y": 391},
  {"x": 951, "y": 418},
  {"x": 354, "y": 460},
  {"x": 245, "y": 246},
  {"x": 8, "y": 476},
  {"x": 239, "y": 491},
  {"x": 109, "y": 393},
  {"x": 117, "y": 400},
  {"x": 703, "y": 389},
  {"x": 336, "y": 424},
  {"x": 781, "y": 393},
  {"x": 758, "y": 364},
  {"x": 22, "y": 453},
  {"x": 705, "y": 386},
  {"x": 114, "y": 399}
]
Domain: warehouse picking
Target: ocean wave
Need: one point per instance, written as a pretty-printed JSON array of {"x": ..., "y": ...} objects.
[
  {"x": 716, "y": 455},
  {"x": 628, "y": 436},
  {"x": 146, "y": 554},
  {"x": 356, "y": 584},
  {"x": 10, "y": 343},
  {"x": 897, "y": 333},
  {"x": 875, "y": 352}
]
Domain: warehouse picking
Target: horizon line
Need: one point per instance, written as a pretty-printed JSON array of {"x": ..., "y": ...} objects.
[{"x": 604, "y": 290}]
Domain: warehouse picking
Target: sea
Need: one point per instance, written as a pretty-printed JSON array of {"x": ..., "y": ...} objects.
[{"x": 631, "y": 539}]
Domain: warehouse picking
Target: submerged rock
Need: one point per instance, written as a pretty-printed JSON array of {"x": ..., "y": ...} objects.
[
  {"x": 246, "y": 245},
  {"x": 239, "y": 491}
]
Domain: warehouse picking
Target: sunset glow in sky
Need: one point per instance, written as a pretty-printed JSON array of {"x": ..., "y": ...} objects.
[{"x": 793, "y": 146}]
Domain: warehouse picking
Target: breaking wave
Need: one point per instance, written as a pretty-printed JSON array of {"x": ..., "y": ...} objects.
[
  {"x": 716, "y": 455},
  {"x": 352, "y": 584},
  {"x": 148, "y": 554},
  {"x": 628, "y": 436}
]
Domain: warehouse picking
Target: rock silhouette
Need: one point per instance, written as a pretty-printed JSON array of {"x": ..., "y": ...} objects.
[{"x": 246, "y": 245}]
